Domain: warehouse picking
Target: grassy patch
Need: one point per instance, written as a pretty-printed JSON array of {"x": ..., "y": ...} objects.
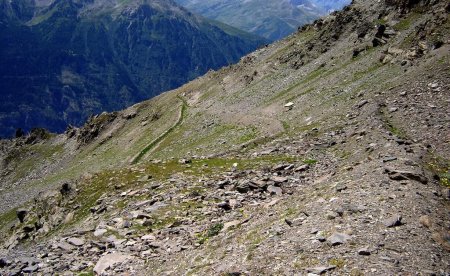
[
  {"x": 286, "y": 126},
  {"x": 339, "y": 263},
  {"x": 390, "y": 125},
  {"x": 27, "y": 158},
  {"x": 212, "y": 231},
  {"x": 86, "y": 273},
  {"x": 440, "y": 167},
  {"x": 405, "y": 23},
  {"x": 310, "y": 161},
  {"x": 6, "y": 220}
]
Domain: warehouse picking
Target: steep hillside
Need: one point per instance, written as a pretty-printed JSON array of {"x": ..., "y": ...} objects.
[
  {"x": 64, "y": 60},
  {"x": 324, "y": 153}
]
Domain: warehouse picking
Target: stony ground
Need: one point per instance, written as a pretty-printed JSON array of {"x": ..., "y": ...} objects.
[{"x": 352, "y": 178}]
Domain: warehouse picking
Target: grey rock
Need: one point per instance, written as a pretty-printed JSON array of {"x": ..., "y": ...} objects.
[
  {"x": 280, "y": 167},
  {"x": 243, "y": 187},
  {"x": 341, "y": 187},
  {"x": 364, "y": 251},
  {"x": 389, "y": 159},
  {"x": 145, "y": 178},
  {"x": 406, "y": 175},
  {"x": 320, "y": 269},
  {"x": 109, "y": 260},
  {"x": 302, "y": 168},
  {"x": 21, "y": 214},
  {"x": 338, "y": 238},
  {"x": 331, "y": 215},
  {"x": 275, "y": 190},
  {"x": 362, "y": 103},
  {"x": 185, "y": 161},
  {"x": 65, "y": 246},
  {"x": 30, "y": 269},
  {"x": 100, "y": 232},
  {"x": 224, "y": 205},
  {"x": 4, "y": 262},
  {"x": 395, "y": 220},
  {"x": 446, "y": 193},
  {"x": 279, "y": 179},
  {"x": 321, "y": 238},
  {"x": 75, "y": 241}
]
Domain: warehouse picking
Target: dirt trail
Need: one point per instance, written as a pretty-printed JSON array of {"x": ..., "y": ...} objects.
[{"x": 153, "y": 145}]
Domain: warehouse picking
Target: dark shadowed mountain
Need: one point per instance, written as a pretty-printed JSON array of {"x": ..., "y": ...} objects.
[{"x": 63, "y": 60}]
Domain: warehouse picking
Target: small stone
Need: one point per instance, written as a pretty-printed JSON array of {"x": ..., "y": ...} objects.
[
  {"x": 395, "y": 220},
  {"x": 30, "y": 269},
  {"x": 65, "y": 246},
  {"x": 364, "y": 251},
  {"x": 362, "y": 103},
  {"x": 100, "y": 232},
  {"x": 288, "y": 222},
  {"x": 148, "y": 237},
  {"x": 406, "y": 175},
  {"x": 21, "y": 214},
  {"x": 145, "y": 178},
  {"x": 185, "y": 161},
  {"x": 340, "y": 187},
  {"x": 69, "y": 217},
  {"x": 320, "y": 269},
  {"x": 330, "y": 215},
  {"x": 108, "y": 261},
  {"x": 279, "y": 167},
  {"x": 279, "y": 179},
  {"x": 243, "y": 187},
  {"x": 224, "y": 205},
  {"x": 230, "y": 224},
  {"x": 275, "y": 190},
  {"x": 75, "y": 241},
  {"x": 302, "y": 168},
  {"x": 289, "y": 105},
  {"x": 320, "y": 237},
  {"x": 389, "y": 159},
  {"x": 425, "y": 221},
  {"x": 4, "y": 262},
  {"x": 338, "y": 238}
]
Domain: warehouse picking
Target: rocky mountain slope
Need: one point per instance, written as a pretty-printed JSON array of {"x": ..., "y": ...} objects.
[
  {"x": 65, "y": 60},
  {"x": 324, "y": 153},
  {"x": 272, "y": 19}
]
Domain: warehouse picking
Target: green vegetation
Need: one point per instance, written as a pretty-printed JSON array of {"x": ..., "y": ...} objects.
[
  {"x": 212, "y": 231},
  {"x": 440, "y": 166},
  {"x": 25, "y": 159},
  {"x": 405, "y": 23},
  {"x": 310, "y": 161},
  {"x": 339, "y": 263},
  {"x": 391, "y": 126},
  {"x": 6, "y": 220},
  {"x": 87, "y": 273}
]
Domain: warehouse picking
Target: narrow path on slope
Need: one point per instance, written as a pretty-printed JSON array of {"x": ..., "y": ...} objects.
[{"x": 153, "y": 145}]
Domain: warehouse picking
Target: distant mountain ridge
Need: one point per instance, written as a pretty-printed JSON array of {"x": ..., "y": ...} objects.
[
  {"x": 64, "y": 60},
  {"x": 272, "y": 19}
]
